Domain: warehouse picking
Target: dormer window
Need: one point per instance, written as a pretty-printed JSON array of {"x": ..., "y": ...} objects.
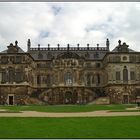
[
  {"x": 40, "y": 55},
  {"x": 96, "y": 55}
]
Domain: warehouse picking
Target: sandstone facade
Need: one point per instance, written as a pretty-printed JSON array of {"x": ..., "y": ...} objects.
[{"x": 69, "y": 75}]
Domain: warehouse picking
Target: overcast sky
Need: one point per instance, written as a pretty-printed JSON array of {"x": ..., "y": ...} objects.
[{"x": 71, "y": 23}]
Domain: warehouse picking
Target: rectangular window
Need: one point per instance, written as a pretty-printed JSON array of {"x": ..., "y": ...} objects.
[
  {"x": 4, "y": 77},
  {"x": 4, "y": 59},
  {"x": 48, "y": 65},
  {"x": 118, "y": 75},
  {"x": 11, "y": 75},
  {"x": 48, "y": 80},
  {"x": 111, "y": 59},
  {"x": 12, "y": 59},
  {"x": 132, "y": 75},
  {"x": 23, "y": 58},
  {"x": 117, "y": 58},
  {"x": 18, "y": 77},
  {"x": 132, "y": 58},
  {"x": 88, "y": 65},
  {"x": 18, "y": 59}
]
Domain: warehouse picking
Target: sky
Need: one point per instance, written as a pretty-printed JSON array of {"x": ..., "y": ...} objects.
[{"x": 70, "y": 23}]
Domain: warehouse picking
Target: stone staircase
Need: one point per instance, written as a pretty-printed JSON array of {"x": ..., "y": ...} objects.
[
  {"x": 34, "y": 101},
  {"x": 101, "y": 101}
]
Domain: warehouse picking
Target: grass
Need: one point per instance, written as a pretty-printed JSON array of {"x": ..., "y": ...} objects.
[
  {"x": 99, "y": 127},
  {"x": 87, "y": 127},
  {"x": 67, "y": 108}
]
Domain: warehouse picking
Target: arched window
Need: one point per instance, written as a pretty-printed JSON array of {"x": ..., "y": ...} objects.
[
  {"x": 125, "y": 74},
  {"x": 88, "y": 80},
  {"x": 48, "y": 79},
  {"x": 98, "y": 79},
  {"x": 93, "y": 79},
  {"x": 68, "y": 78},
  {"x": 38, "y": 79},
  {"x": 118, "y": 75}
]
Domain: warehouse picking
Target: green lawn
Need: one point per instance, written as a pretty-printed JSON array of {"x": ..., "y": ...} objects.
[
  {"x": 99, "y": 127},
  {"x": 68, "y": 108}
]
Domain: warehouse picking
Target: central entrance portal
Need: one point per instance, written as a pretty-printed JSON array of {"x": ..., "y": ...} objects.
[{"x": 68, "y": 97}]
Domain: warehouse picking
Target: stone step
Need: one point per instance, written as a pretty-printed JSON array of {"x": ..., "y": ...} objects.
[{"x": 101, "y": 100}]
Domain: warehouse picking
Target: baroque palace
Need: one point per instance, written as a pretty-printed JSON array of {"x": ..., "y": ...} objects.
[{"x": 69, "y": 75}]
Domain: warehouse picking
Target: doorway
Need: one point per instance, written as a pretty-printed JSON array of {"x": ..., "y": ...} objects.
[
  {"x": 11, "y": 100},
  {"x": 68, "y": 97},
  {"x": 125, "y": 99}
]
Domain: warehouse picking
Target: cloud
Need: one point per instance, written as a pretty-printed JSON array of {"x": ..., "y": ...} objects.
[
  {"x": 56, "y": 9},
  {"x": 72, "y": 23}
]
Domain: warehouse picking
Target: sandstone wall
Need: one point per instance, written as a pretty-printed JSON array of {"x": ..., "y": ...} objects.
[{"x": 117, "y": 93}]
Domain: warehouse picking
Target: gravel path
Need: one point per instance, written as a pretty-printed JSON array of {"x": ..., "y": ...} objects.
[{"x": 77, "y": 114}]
